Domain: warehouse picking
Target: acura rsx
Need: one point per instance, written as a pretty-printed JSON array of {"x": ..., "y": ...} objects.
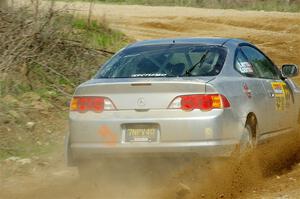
[{"x": 212, "y": 97}]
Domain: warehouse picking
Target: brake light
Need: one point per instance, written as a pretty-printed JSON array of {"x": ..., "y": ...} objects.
[
  {"x": 96, "y": 104},
  {"x": 204, "y": 102}
]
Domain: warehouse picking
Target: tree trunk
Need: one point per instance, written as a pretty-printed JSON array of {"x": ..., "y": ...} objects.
[{"x": 3, "y": 3}]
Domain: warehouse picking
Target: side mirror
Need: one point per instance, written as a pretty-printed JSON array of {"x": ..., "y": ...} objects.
[{"x": 289, "y": 70}]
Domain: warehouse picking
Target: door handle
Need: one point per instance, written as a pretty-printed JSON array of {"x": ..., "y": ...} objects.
[{"x": 271, "y": 94}]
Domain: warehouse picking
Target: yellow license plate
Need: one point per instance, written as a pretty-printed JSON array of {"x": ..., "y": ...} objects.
[{"x": 141, "y": 135}]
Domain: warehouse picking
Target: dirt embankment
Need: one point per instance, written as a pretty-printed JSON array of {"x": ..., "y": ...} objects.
[{"x": 276, "y": 33}]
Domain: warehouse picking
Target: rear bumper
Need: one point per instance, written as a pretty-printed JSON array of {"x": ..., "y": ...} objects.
[
  {"x": 223, "y": 148},
  {"x": 209, "y": 134},
  {"x": 174, "y": 125}
]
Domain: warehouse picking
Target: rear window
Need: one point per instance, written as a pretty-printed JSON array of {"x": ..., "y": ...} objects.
[{"x": 175, "y": 60}]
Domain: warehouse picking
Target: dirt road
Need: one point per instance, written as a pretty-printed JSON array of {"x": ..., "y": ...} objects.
[{"x": 276, "y": 33}]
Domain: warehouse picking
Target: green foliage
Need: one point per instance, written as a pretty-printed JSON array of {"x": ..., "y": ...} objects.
[{"x": 97, "y": 34}]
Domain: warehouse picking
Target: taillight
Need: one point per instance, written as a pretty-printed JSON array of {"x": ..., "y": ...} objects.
[
  {"x": 95, "y": 104},
  {"x": 204, "y": 102}
]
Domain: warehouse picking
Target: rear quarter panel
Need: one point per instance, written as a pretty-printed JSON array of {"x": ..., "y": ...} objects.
[{"x": 241, "y": 104}]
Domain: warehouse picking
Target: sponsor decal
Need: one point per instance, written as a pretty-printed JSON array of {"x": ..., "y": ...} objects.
[
  {"x": 246, "y": 67},
  {"x": 277, "y": 87},
  {"x": 209, "y": 133},
  {"x": 247, "y": 91},
  {"x": 109, "y": 137},
  {"x": 282, "y": 95},
  {"x": 149, "y": 75}
]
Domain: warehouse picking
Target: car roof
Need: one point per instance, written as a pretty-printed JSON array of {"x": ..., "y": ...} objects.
[{"x": 205, "y": 41}]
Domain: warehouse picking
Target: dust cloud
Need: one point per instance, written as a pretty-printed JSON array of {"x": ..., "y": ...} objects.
[{"x": 180, "y": 177}]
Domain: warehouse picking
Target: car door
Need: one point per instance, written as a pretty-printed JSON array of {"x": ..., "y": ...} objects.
[
  {"x": 254, "y": 98},
  {"x": 278, "y": 102}
]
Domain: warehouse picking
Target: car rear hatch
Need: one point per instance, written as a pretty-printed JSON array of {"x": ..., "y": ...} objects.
[
  {"x": 139, "y": 94},
  {"x": 141, "y": 113}
]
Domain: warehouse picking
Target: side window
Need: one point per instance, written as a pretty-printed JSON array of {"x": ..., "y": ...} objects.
[
  {"x": 243, "y": 66},
  {"x": 261, "y": 64}
]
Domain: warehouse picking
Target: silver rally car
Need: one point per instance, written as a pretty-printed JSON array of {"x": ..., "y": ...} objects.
[{"x": 208, "y": 96}]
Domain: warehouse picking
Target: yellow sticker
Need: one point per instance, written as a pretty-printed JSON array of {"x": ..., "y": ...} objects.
[
  {"x": 278, "y": 88},
  {"x": 288, "y": 96},
  {"x": 282, "y": 95},
  {"x": 279, "y": 96}
]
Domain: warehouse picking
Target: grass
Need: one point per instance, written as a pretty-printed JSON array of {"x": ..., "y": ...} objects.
[
  {"x": 267, "y": 5},
  {"x": 97, "y": 34}
]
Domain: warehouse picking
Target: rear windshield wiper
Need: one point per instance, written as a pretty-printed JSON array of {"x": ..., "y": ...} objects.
[{"x": 200, "y": 62}]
